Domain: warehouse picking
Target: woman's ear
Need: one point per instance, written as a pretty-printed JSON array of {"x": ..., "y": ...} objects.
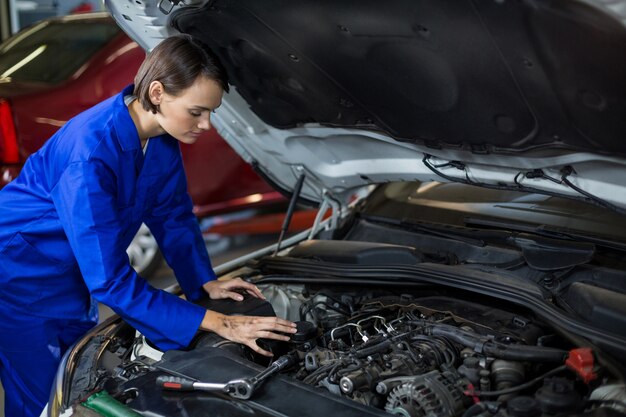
[{"x": 155, "y": 92}]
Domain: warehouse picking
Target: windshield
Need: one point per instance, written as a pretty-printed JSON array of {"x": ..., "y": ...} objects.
[{"x": 50, "y": 52}]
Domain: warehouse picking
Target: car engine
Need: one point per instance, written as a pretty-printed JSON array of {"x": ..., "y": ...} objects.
[
  {"x": 379, "y": 352},
  {"x": 430, "y": 355}
]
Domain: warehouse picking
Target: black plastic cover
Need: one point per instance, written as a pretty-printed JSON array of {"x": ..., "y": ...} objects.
[
  {"x": 547, "y": 254},
  {"x": 603, "y": 308}
]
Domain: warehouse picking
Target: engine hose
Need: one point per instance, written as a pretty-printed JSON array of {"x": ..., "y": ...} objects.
[
  {"x": 460, "y": 336},
  {"x": 520, "y": 387},
  {"x": 499, "y": 350},
  {"x": 107, "y": 406},
  {"x": 524, "y": 352},
  {"x": 381, "y": 346},
  {"x": 479, "y": 408}
]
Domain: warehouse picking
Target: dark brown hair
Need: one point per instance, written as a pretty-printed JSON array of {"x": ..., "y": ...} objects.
[{"x": 176, "y": 62}]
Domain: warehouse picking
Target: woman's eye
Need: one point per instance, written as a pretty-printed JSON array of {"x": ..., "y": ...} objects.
[{"x": 195, "y": 113}]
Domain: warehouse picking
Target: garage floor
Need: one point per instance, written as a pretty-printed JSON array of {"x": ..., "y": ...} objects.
[{"x": 221, "y": 250}]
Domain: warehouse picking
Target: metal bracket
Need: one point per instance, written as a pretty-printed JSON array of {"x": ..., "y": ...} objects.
[{"x": 327, "y": 202}]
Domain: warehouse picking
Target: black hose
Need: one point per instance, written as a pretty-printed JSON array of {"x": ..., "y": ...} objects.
[
  {"x": 311, "y": 377},
  {"x": 377, "y": 348},
  {"x": 460, "y": 336},
  {"x": 518, "y": 387},
  {"x": 333, "y": 370},
  {"x": 499, "y": 350},
  {"x": 524, "y": 352}
]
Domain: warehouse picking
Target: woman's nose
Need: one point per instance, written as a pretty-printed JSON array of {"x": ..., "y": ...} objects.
[{"x": 205, "y": 123}]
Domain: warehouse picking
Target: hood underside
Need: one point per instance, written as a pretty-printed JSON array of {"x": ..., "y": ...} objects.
[
  {"x": 482, "y": 75},
  {"x": 354, "y": 93}
]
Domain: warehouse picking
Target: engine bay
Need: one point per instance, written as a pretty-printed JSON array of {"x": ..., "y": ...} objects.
[
  {"x": 383, "y": 328},
  {"x": 372, "y": 351}
]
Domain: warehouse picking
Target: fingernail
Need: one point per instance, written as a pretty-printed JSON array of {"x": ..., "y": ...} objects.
[{"x": 239, "y": 297}]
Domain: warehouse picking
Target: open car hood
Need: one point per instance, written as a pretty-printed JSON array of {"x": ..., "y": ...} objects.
[{"x": 526, "y": 95}]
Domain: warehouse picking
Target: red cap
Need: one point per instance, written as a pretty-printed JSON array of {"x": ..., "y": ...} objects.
[{"x": 581, "y": 361}]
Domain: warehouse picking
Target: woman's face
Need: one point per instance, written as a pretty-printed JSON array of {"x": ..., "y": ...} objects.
[{"x": 187, "y": 115}]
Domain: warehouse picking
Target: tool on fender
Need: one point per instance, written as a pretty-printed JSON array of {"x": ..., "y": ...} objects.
[{"x": 236, "y": 388}]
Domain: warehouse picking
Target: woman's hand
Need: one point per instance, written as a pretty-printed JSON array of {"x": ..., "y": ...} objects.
[
  {"x": 225, "y": 289},
  {"x": 247, "y": 329}
]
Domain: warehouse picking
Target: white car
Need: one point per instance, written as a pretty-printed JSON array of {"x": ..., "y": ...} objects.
[{"x": 471, "y": 156}]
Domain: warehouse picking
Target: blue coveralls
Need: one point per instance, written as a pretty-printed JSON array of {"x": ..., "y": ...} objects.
[{"x": 65, "y": 224}]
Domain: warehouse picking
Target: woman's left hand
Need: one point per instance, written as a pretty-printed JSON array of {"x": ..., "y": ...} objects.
[{"x": 226, "y": 289}]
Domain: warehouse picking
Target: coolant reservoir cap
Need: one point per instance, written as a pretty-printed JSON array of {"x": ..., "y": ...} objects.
[
  {"x": 305, "y": 332},
  {"x": 558, "y": 395}
]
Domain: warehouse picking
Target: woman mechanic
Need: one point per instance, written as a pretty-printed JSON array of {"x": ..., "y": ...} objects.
[{"x": 66, "y": 221}]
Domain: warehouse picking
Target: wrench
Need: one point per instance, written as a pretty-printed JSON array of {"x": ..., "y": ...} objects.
[{"x": 236, "y": 388}]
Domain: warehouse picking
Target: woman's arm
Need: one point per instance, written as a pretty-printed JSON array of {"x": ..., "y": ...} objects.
[
  {"x": 85, "y": 200},
  {"x": 176, "y": 229}
]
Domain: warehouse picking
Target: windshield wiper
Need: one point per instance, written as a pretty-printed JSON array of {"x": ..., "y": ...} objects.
[{"x": 543, "y": 230}]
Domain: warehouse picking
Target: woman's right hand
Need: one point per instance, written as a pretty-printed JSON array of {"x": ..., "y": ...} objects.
[{"x": 247, "y": 329}]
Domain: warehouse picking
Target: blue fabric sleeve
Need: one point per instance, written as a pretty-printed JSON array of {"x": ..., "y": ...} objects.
[
  {"x": 85, "y": 201},
  {"x": 177, "y": 231}
]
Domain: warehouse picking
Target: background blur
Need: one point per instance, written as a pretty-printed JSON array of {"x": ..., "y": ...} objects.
[{"x": 17, "y": 14}]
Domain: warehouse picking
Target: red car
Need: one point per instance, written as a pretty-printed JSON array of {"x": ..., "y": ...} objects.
[{"x": 62, "y": 66}]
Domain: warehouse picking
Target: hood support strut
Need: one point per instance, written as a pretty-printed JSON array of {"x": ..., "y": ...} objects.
[
  {"x": 329, "y": 202},
  {"x": 290, "y": 209}
]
